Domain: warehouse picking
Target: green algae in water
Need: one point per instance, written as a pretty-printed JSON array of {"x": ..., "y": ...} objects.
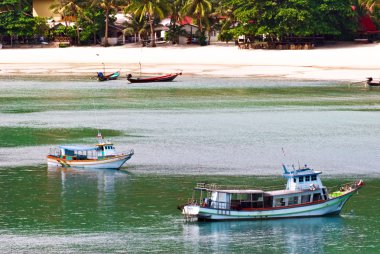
[
  {"x": 25, "y": 136},
  {"x": 82, "y": 97}
]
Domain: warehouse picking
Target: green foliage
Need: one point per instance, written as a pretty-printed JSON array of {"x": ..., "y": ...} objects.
[
  {"x": 274, "y": 18},
  {"x": 226, "y": 36},
  {"x": 150, "y": 10},
  {"x": 293, "y": 17},
  {"x": 16, "y": 19},
  {"x": 174, "y": 32}
]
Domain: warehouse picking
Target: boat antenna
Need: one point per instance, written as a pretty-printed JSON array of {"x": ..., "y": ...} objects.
[
  {"x": 99, "y": 136},
  {"x": 104, "y": 67},
  {"x": 283, "y": 151}
]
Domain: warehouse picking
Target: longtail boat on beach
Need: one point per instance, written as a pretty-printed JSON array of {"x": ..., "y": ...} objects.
[
  {"x": 163, "y": 78},
  {"x": 370, "y": 82},
  {"x": 112, "y": 76},
  {"x": 101, "y": 155},
  {"x": 304, "y": 196}
]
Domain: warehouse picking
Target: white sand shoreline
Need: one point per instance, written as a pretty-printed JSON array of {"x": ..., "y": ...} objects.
[{"x": 343, "y": 62}]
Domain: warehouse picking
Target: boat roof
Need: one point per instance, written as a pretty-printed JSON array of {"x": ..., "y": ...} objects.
[
  {"x": 241, "y": 191},
  {"x": 283, "y": 192},
  {"x": 233, "y": 191},
  {"x": 78, "y": 148}
]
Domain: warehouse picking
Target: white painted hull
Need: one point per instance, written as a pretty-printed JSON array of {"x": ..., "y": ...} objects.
[
  {"x": 111, "y": 163},
  {"x": 332, "y": 206}
]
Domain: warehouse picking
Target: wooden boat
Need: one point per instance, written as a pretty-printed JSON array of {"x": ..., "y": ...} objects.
[
  {"x": 370, "y": 82},
  {"x": 163, "y": 78},
  {"x": 112, "y": 76},
  {"x": 304, "y": 196},
  {"x": 102, "y": 155}
]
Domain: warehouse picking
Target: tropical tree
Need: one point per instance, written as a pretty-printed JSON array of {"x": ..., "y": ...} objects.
[
  {"x": 16, "y": 19},
  {"x": 176, "y": 15},
  {"x": 294, "y": 17},
  {"x": 136, "y": 27},
  {"x": 369, "y": 4},
  {"x": 92, "y": 23},
  {"x": 109, "y": 7},
  {"x": 149, "y": 10},
  {"x": 72, "y": 8},
  {"x": 198, "y": 9}
]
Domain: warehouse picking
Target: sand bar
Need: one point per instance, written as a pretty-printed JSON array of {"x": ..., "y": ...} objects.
[{"x": 346, "y": 62}]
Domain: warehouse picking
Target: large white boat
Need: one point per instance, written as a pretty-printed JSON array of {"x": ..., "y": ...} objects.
[
  {"x": 102, "y": 155},
  {"x": 304, "y": 196}
]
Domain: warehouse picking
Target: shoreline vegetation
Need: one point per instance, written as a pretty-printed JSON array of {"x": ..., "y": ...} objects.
[{"x": 339, "y": 62}]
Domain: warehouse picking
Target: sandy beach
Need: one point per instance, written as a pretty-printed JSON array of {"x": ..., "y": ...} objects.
[{"x": 346, "y": 62}]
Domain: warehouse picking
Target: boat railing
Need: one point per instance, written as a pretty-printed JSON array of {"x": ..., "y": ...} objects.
[
  {"x": 214, "y": 186},
  {"x": 342, "y": 189},
  {"x": 55, "y": 151}
]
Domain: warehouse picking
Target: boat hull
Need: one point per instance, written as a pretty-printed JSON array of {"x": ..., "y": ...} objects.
[
  {"x": 329, "y": 207},
  {"x": 114, "y": 162},
  {"x": 112, "y": 76},
  {"x": 165, "y": 78}
]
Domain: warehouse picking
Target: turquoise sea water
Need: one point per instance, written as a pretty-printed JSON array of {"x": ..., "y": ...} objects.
[{"x": 228, "y": 131}]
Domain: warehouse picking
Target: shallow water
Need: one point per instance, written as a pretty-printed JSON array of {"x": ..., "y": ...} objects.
[
  {"x": 103, "y": 211},
  {"x": 195, "y": 129}
]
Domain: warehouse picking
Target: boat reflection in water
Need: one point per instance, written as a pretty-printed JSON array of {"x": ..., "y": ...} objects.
[
  {"x": 87, "y": 189},
  {"x": 269, "y": 236}
]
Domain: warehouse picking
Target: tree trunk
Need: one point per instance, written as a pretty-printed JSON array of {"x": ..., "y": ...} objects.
[
  {"x": 200, "y": 23},
  {"x": 152, "y": 33},
  {"x": 78, "y": 36},
  {"x": 94, "y": 38},
  {"x": 106, "y": 30}
]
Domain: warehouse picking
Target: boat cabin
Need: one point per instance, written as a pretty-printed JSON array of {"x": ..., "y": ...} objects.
[
  {"x": 105, "y": 149},
  {"x": 303, "y": 187},
  {"x": 70, "y": 152}
]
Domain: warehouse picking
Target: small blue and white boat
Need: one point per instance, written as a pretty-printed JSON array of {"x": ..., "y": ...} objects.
[
  {"x": 304, "y": 196},
  {"x": 103, "y": 156}
]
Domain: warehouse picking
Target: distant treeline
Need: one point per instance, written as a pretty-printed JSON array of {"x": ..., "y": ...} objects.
[{"x": 268, "y": 20}]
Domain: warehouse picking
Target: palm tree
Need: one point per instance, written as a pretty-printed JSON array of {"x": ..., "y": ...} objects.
[
  {"x": 176, "y": 15},
  {"x": 369, "y": 4},
  {"x": 108, "y": 6},
  {"x": 135, "y": 27},
  {"x": 198, "y": 9},
  {"x": 69, "y": 7},
  {"x": 148, "y": 9}
]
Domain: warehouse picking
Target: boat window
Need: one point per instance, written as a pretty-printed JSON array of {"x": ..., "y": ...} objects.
[
  {"x": 317, "y": 196},
  {"x": 313, "y": 177},
  {"x": 294, "y": 180},
  {"x": 279, "y": 202},
  {"x": 305, "y": 198},
  {"x": 257, "y": 197},
  {"x": 301, "y": 179},
  {"x": 307, "y": 178},
  {"x": 293, "y": 200}
]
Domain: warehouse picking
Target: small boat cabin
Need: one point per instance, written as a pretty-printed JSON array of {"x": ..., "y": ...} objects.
[
  {"x": 303, "y": 187},
  {"x": 70, "y": 152}
]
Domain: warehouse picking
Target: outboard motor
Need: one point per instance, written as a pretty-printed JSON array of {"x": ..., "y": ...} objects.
[
  {"x": 100, "y": 75},
  {"x": 129, "y": 76}
]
